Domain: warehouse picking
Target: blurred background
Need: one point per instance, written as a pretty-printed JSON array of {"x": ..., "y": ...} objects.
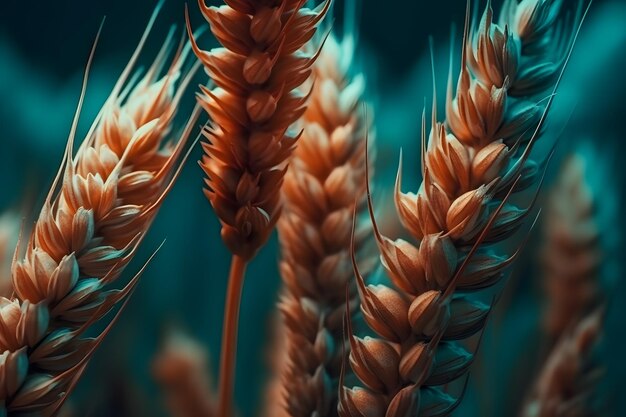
[{"x": 43, "y": 51}]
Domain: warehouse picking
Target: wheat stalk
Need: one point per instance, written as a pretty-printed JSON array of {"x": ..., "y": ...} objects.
[
  {"x": 181, "y": 369},
  {"x": 324, "y": 182},
  {"x": 572, "y": 257},
  {"x": 97, "y": 212},
  {"x": 256, "y": 100},
  {"x": 471, "y": 166}
]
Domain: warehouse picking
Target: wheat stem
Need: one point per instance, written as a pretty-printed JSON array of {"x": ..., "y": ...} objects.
[{"x": 229, "y": 336}]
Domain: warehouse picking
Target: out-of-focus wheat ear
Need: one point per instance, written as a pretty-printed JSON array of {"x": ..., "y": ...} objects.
[
  {"x": 572, "y": 253},
  {"x": 576, "y": 255},
  {"x": 98, "y": 210},
  {"x": 459, "y": 219},
  {"x": 569, "y": 379},
  {"x": 323, "y": 193},
  {"x": 181, "y": 369}
]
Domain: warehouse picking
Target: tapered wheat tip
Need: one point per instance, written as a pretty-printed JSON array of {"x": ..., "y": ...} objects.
[
  {"x": 472, "y": 164},
  {"x": 257, "y": 74},
  {"x": 325, "y": 180},
  {"x": 89, "y": 228},
  {"x": 572, "y": 255},
  {"x": 181, "y": 369}
]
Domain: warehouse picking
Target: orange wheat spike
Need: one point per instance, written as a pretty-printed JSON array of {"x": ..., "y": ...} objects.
[
  {"x": 325, "y": 180},
  {"x": 256, "y": 100},
  {"x": 417, "y": 364},
  {"x": 181, "y": 369},
  {"x": 89, "y": 228}
]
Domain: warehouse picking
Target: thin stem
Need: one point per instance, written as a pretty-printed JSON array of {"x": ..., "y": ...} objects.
[{"x": 229, "y": 336}]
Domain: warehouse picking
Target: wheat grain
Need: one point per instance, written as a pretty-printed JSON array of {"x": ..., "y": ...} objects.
[
  {"x": 471, "y": 165},
  {"x": 256, "y": 100},
  {"x": 181, "y": 370},
  {"x": 572, "y": 257},
  {"x": 92, "y": 221},
  {"x": 324, "y": 182}
]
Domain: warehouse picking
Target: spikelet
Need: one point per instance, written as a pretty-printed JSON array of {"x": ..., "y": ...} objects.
[
  {"x": 471, "y": 165},
  {"x": 566, "y": 381},
  {"x": 9, "y": 230},
  {"x": 572, "y": 256},
  {"x": 96, "y": 214},
  {"x": 181, "y": 369},
  {"x": 257, "y": 74},
  {"x": 325, "y": 180}
]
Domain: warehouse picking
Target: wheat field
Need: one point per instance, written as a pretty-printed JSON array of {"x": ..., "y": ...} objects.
[{"x": 285, "y": 208}]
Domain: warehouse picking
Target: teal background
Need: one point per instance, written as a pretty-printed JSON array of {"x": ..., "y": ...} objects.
[{"x": 43, "y": 51}]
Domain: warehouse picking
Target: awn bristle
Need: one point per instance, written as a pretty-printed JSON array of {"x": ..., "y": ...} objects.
[
  {"x": 92, "y": 221},
  {"x": 326, "y": 178},
  {"x": 256, "y": 100},
  {"x": 572, "y": 256},
  {"x": 471, "y": 165},
  {"x": 181, "y": 369},
  {"x": 568, "y": 377}
]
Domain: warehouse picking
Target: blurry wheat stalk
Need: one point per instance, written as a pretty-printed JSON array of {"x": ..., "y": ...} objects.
[
  {"x": 471, "y": 165},
  {"x": 96, "y": 214},
  {"x": 324, "y": 187},
  {"x": 257, "y": 74}
]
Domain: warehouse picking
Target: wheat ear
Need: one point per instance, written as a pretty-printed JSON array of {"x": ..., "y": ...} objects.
[
  {"x": 325, "y": 180},
  {"x": 256, "y": 100},
  {"x": 97, "y": 212},
  {"x": 564, "y": 387},
  {"x": 571, "y": 255},
  {"x": 575, "y": 273},
  {"x": 470, "y": 167},
  {"x": 181, "y": 369}
]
